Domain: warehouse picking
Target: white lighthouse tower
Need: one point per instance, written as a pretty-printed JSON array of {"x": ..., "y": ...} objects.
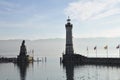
[{"x": 69, "y": 43}]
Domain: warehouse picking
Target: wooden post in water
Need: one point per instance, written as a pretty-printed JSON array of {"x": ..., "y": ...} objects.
[{"x": 119, "y": 51}]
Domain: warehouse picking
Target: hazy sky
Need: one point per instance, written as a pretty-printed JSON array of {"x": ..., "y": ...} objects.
[{"x": 38, "y": 19}]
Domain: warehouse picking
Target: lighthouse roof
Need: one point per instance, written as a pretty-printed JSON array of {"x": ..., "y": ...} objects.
[{"x": 68, "y": 20}]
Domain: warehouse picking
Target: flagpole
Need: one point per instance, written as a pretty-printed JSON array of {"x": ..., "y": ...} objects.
[
  {"x": 107, "y": 52},
  {"x": 106, "y": 48},
  {"x": 118, "y": 47},
  {"x": 96, "y": 52},
  {"x": 87, "y": 52},
  {"x": 119, "y": 50},
  {"x": 95, "y": 49}
]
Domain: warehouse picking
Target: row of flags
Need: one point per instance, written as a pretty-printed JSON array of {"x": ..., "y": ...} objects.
[{"x": 106, "y": 47}]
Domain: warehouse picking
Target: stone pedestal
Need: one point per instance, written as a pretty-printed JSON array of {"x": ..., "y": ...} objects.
[{"x": 22, "y": 57}]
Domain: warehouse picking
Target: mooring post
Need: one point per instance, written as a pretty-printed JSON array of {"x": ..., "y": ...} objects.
[{"x": 119, "y": 51}]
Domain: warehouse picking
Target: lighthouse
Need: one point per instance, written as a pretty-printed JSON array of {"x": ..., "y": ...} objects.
[{"x": 69, "y": 43}]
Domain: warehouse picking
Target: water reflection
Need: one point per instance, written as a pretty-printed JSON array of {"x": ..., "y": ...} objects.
[
  {"x": 53, "y": 71},
  {"x": 91, "y": 72},
  {"x": 22, "y": 68},
  {"x": 69, "y": 71}
]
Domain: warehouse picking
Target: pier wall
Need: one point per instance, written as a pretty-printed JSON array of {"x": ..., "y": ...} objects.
[{"x": 76, "y": 58}]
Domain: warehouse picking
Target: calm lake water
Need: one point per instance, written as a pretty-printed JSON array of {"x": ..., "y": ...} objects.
[{"x": 53, "y": 70}]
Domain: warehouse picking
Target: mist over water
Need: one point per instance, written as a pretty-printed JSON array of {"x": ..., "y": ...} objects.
[
  {"x": 55, "y": 47},
  {"x": 47, "y": 47}
]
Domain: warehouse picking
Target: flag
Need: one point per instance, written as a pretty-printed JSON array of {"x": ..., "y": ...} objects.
[
  {"x": 95, "y": 48},
  {"x": 118, "y": 47},
  {"x": 106, "y": 47}
]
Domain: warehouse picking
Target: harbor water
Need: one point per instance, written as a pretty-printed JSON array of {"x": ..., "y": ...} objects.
[{"x": 52, "y": 69}]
